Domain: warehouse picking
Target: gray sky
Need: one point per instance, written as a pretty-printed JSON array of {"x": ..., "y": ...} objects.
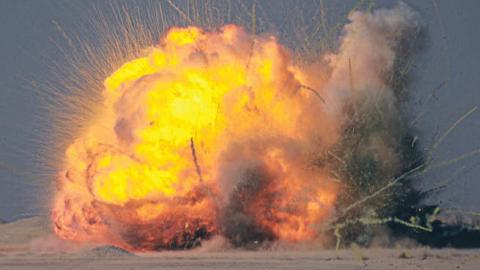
[{"x": 28, "y": 50}]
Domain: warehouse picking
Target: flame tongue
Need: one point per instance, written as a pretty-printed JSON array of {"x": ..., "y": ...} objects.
[{"x": 207, "y": 133}]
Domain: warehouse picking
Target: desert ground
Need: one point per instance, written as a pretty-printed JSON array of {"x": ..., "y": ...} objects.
[{"x": 29, "y": 244}]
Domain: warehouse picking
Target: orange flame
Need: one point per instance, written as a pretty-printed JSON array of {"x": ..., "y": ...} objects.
[{"x": 180, "y": 129}]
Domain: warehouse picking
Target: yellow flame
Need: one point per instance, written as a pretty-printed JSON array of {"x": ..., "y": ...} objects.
[{"x": 209, "y": 88}]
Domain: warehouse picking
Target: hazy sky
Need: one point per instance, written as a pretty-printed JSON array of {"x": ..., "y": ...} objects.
[{"x": 28, "y": 50}]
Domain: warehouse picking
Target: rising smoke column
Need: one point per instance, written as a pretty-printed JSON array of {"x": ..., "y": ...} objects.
[
  {"x": 376, "y": 145},
  {"x": 223, "y": 133}
]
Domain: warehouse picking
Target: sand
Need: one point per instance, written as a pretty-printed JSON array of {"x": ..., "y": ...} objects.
[{"x": 29, "y": 244}]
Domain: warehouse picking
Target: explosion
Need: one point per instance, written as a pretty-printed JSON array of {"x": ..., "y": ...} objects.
[{"x": 225, "y": 133}]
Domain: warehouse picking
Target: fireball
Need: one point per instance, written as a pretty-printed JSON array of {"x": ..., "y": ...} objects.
[{"x": 207, "y": 133}]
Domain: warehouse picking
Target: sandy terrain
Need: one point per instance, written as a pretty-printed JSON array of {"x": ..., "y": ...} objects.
[{"x": 28, "y": 244}]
